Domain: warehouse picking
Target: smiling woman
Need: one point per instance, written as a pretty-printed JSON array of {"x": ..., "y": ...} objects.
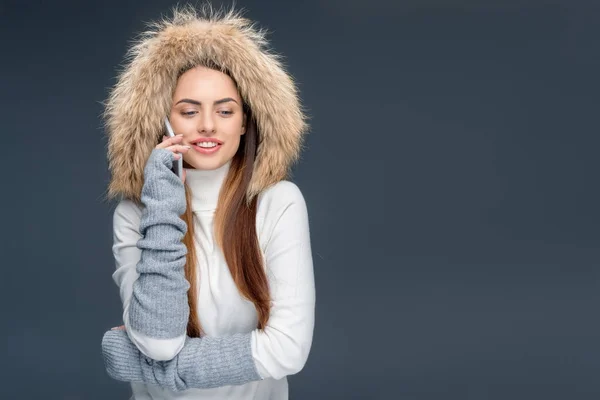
[
  {"x": 215, "y": 272},
  {"x": 208, "y": 112}
]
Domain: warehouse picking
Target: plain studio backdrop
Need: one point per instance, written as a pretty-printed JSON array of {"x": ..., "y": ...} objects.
[{"x": 451, "y": 178}]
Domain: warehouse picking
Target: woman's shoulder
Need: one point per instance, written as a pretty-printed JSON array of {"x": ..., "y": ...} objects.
[
  {"x": 280, "y": 195},
  {"x": 274, "y": 202},
  {"x": 127, "y": 211},
  {"x": 271, "y": 201}
]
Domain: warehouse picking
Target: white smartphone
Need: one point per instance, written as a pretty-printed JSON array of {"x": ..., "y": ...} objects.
[{"x": 177, "y": 164}]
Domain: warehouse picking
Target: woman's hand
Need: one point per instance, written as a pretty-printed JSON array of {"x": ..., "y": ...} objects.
[
  {"x": 174, "y": 144},
  {"x": 120, "y": 328}
]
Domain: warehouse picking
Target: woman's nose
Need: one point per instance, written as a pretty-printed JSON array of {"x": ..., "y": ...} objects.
[{"x": 206, "y": 123}]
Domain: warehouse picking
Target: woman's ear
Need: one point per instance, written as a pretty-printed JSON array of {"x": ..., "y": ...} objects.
[{"x": 244, "y": 122}]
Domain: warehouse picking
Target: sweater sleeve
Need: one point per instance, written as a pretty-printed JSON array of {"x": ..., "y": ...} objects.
[
  {"x": 150, "y": 258},
  {"x": 282, "y": 348},
  {"x": 202, "y": 363}
]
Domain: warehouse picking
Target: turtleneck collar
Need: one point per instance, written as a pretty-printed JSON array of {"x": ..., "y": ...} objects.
[{"x": 205, "y": 186}]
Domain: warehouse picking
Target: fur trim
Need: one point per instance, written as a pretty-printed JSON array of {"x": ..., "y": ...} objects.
[{"x": 142, "y": 96}]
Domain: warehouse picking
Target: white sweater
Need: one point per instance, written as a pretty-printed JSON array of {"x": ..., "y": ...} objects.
[{"x": 283, "y": 233}]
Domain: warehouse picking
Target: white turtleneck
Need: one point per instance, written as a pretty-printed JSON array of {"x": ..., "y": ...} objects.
[{"x": 279, "y": 350}]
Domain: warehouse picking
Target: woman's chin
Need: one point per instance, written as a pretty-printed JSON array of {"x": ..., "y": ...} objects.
[{"x": 207, "y": 164}]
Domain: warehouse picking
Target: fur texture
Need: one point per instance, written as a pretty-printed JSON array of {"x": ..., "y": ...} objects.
[{"x": 135, "y": 109}]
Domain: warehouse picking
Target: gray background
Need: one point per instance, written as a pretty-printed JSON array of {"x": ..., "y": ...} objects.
[{"x": 450, "y": 175}]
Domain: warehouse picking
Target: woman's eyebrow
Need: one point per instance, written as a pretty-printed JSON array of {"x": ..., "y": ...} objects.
[{"x": 196, "y": 102}]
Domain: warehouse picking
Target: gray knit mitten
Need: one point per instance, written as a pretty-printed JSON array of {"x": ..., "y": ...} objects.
[
  {"x": 159, "y": 305},
  {"x": 203, "y": 363}
]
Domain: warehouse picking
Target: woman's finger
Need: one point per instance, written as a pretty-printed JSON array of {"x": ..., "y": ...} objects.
[
  {"x": 169, "y": 141},
  {"x": 180, "y": 148},
  {"x": 120, "y": 328}
]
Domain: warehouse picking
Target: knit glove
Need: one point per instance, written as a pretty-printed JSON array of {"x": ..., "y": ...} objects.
[
  {"x": 159, "y": 305},
  {"x": 203, "y": 363}
]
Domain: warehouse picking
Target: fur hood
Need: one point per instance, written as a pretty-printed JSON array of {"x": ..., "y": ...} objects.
[{"x": 137, "y": 104}]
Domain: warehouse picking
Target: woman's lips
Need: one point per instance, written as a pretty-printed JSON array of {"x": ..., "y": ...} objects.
[{"x": 206, "y": 150}]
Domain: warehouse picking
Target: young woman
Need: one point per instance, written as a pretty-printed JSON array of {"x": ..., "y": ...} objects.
[{"x": 215, "y": 270}]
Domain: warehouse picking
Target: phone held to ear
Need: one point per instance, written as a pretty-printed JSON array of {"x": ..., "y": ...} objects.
[{"x": 177, "y": 164}]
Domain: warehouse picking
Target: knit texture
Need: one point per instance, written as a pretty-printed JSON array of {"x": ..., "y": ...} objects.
[
  {"x": 203, "y": 363},
  {"x": 159, "y": 304}
]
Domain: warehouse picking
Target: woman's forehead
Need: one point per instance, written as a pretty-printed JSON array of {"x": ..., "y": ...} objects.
[{"x": 205, "y": 84}]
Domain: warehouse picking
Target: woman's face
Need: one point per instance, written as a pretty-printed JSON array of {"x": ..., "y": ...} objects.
[{"x": 207, "y": 108}]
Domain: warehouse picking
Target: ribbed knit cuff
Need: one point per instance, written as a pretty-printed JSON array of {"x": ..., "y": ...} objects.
[
  {"x": 124, "y": 362},
  {"x": 159, "y": 305},
  {"x": 203, "y": 363},
  {"x": 157, "y": 175},
  {"x": 210, "y": 362},
  {"x": 121, "y": 357}
]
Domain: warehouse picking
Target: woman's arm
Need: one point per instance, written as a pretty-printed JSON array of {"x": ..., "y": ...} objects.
[
  {"x": 202, "y": 363},
  {"x": 281, "y": 349},
  {"x": 150, "y": 260}
]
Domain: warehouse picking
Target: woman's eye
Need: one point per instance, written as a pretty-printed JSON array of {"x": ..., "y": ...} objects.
[
  {"x": 188, "y": 113},
  {"x": 226, "y": 112}
]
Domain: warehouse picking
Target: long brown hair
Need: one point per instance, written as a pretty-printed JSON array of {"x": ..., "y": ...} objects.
[{"x": 235, "y": 221}]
